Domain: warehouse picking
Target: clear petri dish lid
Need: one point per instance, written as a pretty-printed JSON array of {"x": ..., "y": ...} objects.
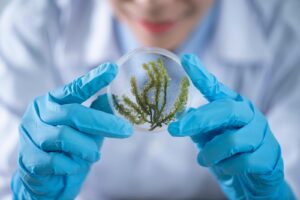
[{"x": 150, "y": 90}]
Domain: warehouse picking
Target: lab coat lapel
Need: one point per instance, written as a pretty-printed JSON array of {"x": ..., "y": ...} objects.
[
  {"x": 239, "y": 37},
  {"x": 102, "y": 44},
  {"x": 87, "y": 39}
]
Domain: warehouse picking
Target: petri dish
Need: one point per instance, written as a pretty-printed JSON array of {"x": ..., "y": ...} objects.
[{"x": 150, "y": 90}]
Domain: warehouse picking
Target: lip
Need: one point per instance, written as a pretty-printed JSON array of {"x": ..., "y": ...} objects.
[{"x": 157, "y": 27}]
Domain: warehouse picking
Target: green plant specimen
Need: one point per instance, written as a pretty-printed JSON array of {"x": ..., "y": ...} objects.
[{"x": 147, "y": 109}]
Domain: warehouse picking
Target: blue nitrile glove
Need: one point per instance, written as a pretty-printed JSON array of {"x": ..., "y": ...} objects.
[
  {"x": 233, "y": 138},
  {"x": 60, "y": 138}
]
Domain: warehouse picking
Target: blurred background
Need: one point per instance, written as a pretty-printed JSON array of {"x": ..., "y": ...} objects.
[
  {"x": 162, "y": 165},
  {"x": 3, "y": 3}
]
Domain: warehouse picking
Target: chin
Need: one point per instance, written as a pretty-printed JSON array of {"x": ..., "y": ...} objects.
[{"x": 162, "y": 41}]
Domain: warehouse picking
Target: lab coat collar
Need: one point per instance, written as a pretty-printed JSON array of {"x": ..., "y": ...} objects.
[{"x": 239, "y": 37}]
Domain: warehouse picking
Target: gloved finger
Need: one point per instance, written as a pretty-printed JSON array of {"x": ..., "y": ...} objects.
[
  {"x": 261, "y": 161},
  {"x": 48, "y": 186},
  {"x": 204, "y": 81},
  {"x": 85, "y": 86},
  {"x": 63, "y": 139},
  {"x": 208, "y": 119},
  {"x": 102, "y": 104},
  {"x": 39, "y": 162},
  {"x": 60, "y": 138},
  {"x": 73, "y": 185},
  {"x": 71, "y": 142},
  {"x": 233, "y": 142},
  {"x": 84, "y": 119}
]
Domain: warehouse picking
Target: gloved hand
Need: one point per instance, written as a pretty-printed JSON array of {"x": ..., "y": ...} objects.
[
  {"x": 60, "y": 138},
  {"x": 233, "y": 138}
]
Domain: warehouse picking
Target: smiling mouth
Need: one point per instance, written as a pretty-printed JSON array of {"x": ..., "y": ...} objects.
[{"x": 157, "y": 27}]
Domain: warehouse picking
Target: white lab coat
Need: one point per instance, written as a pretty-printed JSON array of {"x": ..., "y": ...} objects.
[{"x": 255, "y": 49}]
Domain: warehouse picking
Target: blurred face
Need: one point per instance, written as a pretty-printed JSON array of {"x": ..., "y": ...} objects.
[{"x": 161, "y": 23}]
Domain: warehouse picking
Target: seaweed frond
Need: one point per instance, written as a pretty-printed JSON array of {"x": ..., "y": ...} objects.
[{"x": 150, "y": 103}]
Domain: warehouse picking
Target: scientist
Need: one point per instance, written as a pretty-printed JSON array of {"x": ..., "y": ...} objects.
[{"x": 243, "y": 143}]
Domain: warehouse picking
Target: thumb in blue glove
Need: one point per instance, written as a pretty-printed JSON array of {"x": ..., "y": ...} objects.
[
  {"x": 233, "y": 138},
  {"x": 60, "y": 138}
]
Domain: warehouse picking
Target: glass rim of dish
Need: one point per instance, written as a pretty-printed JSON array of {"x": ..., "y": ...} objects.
[{"x": 155, "y": 50}]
